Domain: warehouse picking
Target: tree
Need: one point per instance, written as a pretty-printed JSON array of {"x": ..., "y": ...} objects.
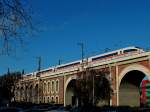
[
  {"x": 7, "y": 84},
  {"x": 15, "y": 22},
  {"x": 102, "y": 90},
  {"x": 94, "y": 86}
]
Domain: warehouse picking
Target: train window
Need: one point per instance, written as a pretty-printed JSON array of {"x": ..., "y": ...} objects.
[
  {"x": 129, "y": 50},
  {"x": 28, "y": 75},
  {"x": 105, "y": 56},
  {"x": 120, "y": 52},
  {"x": 73, "y": 64}
]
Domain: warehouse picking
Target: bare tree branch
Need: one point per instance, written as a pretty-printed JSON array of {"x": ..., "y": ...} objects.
[{"x": 14, "y": 21}]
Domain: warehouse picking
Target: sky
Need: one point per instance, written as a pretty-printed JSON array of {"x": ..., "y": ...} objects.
[{"x": 62, "y": 24}]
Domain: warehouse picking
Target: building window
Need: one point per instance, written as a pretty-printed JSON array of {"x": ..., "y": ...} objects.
[
  {"x": 43, "y": 99},
  {"x": 44, "y": 88},
  {"x": 48, "y": 87},
  {"x": 53, "y": 87},
  {"x": 57, "y": 99},
  {"x": 57, "y": 86},
  {"x": 52, "y": 99},
  {"x": 48, "y": 99}
]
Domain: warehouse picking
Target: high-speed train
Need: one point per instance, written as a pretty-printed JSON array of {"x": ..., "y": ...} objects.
[
  {"x": 109, "y": 55},
  {"x": 126, "y": 50}
]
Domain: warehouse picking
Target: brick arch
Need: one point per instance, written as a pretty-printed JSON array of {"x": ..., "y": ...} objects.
[
  {"x": 132, "y": 67},
  {"x": 66, "y": 84}
]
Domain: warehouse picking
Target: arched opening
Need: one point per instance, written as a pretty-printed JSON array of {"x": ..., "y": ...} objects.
[
  {"x": 129, "y": 93},
  {"x": 57, "y": 100},
  {"x": 70, "y": 98},
  {"x": 44, "y": 88},
  {"x": 48, "y": 87}
]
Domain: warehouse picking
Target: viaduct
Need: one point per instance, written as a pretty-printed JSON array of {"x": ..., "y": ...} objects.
[{"x": 55, "y": 84}]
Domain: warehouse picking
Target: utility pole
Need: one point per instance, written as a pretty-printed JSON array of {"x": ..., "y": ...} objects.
[
  {"x": 23, "y": 72},
  {"x": 39, "y": 63},
  {"x": 59, "y": 62},
  {"x": 82, "y": 52}
]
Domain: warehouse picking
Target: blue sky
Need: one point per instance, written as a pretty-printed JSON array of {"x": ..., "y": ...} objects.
[{"x": 99, "y": 24}]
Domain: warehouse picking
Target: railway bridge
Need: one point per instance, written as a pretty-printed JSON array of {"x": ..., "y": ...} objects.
[{"x": 55, "y": 84}]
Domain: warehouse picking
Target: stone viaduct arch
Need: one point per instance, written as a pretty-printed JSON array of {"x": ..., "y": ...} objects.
[
  {"x": 128, "y": 88},
  {"x": 121, "y": 68},
  {"x": 68, "y": 94}
]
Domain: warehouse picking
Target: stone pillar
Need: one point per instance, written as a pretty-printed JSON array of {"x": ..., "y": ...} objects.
[
  {"x": 110, "y": 79},
  {"x": 64, "y": 90},
  {"x": 117, "y": 85},
  {"x": 115, "y": 97}
]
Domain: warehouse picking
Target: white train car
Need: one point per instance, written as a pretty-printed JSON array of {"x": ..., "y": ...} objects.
[
  {"x": 108, "y": 55},
  {"x": 122, "y": 51}
]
